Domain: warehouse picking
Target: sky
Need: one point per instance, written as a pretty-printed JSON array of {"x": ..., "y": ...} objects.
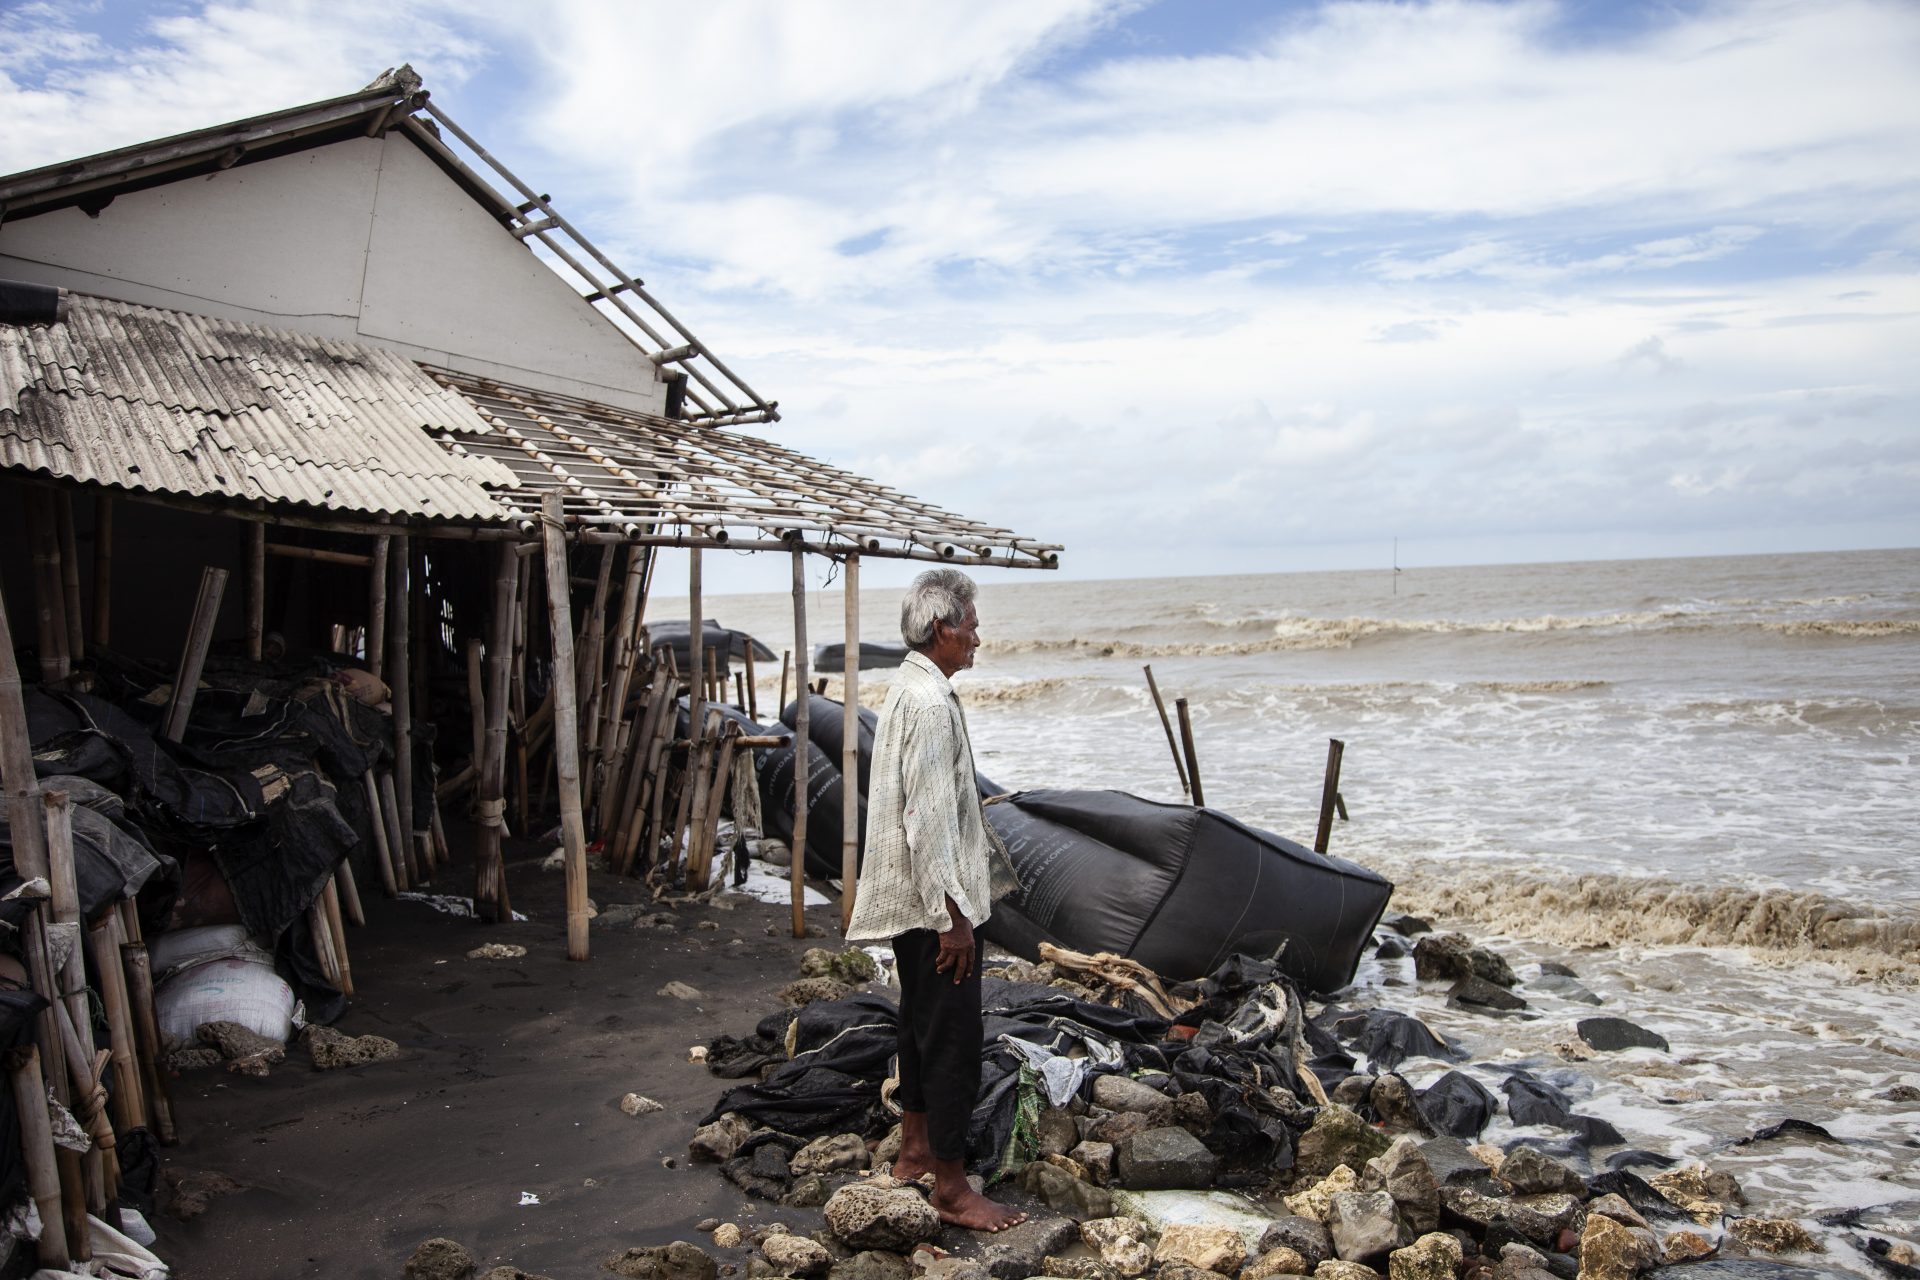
[{"x": 1197, "y": 287}]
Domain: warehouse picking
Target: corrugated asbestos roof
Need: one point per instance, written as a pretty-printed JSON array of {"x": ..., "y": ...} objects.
[
  {"x": 653, "y": 479},
  {"x": 168, "y": 402}
]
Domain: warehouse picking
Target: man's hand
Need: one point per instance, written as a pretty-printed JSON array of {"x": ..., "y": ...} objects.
[{"x": 958, "y": 955}]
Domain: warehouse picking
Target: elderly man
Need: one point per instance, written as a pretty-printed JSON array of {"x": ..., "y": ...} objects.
[{"x": 926, "y": 885}]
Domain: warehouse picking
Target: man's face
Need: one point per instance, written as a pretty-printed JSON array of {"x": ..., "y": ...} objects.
[{"x": 953, "y": 646}]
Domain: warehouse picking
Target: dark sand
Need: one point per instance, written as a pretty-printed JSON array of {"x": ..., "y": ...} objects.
[{"x": 509, "y": 1081}]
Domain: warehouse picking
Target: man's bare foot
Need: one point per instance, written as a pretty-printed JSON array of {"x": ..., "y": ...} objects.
[
  {"x": 908, "y": 1170},
  {"x": 915, "y": 1160},
  {"x": 968, "y": 1208}
]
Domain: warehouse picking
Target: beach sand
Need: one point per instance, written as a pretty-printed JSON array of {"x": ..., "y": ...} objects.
[{"x": 509, "y": 1082}]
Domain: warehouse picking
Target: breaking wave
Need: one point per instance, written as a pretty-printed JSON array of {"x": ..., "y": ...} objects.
[
  {"x": 982, "y": 694},
  {"x": 1850, "y": 628},
  {"x": 1603, "y": 910}
]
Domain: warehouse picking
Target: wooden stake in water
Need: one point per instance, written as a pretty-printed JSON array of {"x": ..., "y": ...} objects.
[
  {"x": 1329, "y": 795},
  {"x": 1186, "y": 788},
  {"x": 1193, "y": 761}
]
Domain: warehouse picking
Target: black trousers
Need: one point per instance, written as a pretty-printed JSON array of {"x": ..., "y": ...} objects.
[{"x": 939, "y": 1042}]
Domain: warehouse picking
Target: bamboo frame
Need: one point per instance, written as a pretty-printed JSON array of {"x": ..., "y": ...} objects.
[
  {"x": 146, "y": 1027},
  {"x": 102, "y": 568},
  {"x": 489, "y": 870},
  {"x": 36, "y": 1142},
  {"x": 350, "y": 893},
  {"x": 376, "y": 640},
  {"x": 256, "y": 549},
  {"x": 850, "y": 746},
  {"x": 70, "y": 575},
  {"x": 396, "y": 839},
  {"x": 130, "y": 1107},
  {"x": 389, "y": 879},
  {"x": 796, "y": 871},
  {"x": 71, "y": 989},
  {"x": 566, "y": 732},
  {"x": 400, "y": 683},
  {"x": 700, "y": 760},
  {"x": 193, "y": 656}
]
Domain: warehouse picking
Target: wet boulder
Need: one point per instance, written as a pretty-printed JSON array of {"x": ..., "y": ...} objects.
[
  {"x": 1166, "y": 1158},
  {"x": 1305, "y": 1236},
  {"x": 1338, "y": 1137},
  {"x": 796, "y": 1255},
  {"x": 1449, "y": 957},
  {"x": 1403, "y": 1173},
  {"x": 833, "y": 1153},
  {"x": 873, "y": 1217},
  {"x": 1530, "y": 1172},
  {"x": 1364, "y": 1225},
  {"x": 1434, "y": 1256},
  {"x": 1611, "y": 1034},
  {"x": 676, "y": 1261},
  {"x": 1609, "y": 1251},
  {"x": 1019, "y": 1251},
  {"x": 1209, "y": 1248}
]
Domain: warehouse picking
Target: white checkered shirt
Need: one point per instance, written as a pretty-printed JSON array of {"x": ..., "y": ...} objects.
[{"x": 926, "y": 833}]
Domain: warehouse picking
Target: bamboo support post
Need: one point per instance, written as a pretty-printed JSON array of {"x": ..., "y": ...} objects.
[
  {"x": 566, "y": 731},
  {"x": 656, "y": 801},
  {"x": 49, "y": 600},
  {"x": 753, "y": 697},
  {"x": 256, "y": 534},
  {"x": 337, "y": 933},
  {"x": 489, "y": 870},
  {"x": 389, "y": 880},
  {"x": 1193, "y": 761},
  {"x": 701, "y": 763},
  {"x": 16, "y": 763},
  {"x": 696, "y": 642},
  {"x": 146, "y": 1026},
  {"x": 797, "y": 870},
  {"x": 400, "y": 682},
  {"x": 349, "y": 893},
  {"x": 376, "y": 638},
  {"x": 36, "y": 1143},
  {"x": 193, "y": 657},
  {"x": 100, "y": 1164},
  {"x": 786, "y": 657},
  {"x": 71, "y": 982},
  {"x": 1329, "y": 795},
  {"x": 646, "y": 770},
  {"x": 476, "y": 699},
  {"x": 130, "y": 1110},
  {"x": 716, "y": 801},
  {"x": 683, "y": 803},
  {"x": 614, "y": 711},
  {"x": 396, "y": 841},
  {"x": 70, "y": 576},
  {"x": 102, "y": 569},
  {"x": 319, "y": 555},
  {"x": 850, "y": 747},
  {"x": 716, "y": 688},
  {"x": 1179, "y": 768}
]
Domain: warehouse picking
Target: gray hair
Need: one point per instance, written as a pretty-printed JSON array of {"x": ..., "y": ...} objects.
[{"x": 936, "y": 595}]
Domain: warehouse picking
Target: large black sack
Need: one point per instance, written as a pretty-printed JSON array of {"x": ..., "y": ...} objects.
[
  {"x": 724, "y": 643},
  {"x": 1177, "y": 888}
]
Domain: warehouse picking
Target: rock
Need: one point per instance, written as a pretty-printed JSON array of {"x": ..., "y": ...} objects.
[
  {"x": 246, "y": 1052},
  {"x": 1391, "y": 1098},
  {"x": 809, "y": 1192},
  {"x": 873, "y": 1217},
  {"x": 1080, "y": 1268},
  {"x": 1616, "y": 1207},
  {"x": 1434, "y": 1256},
  {"x": 510, "y": 1273},
  {"x": 1123, "y": 1093},
  {"x": 1686, "y": 1246},
  {"x": 1450, "y": 957},
  {"x": 681, "y": 991},
  {"x": 1063, "y": 1192},
  {"x": 1162, "y": 1159},
  {"x": 808, "y": 990},
  {"x": 1530, "y": 1172},
  {"x": 1117, "y": 1128},
  {"x": 718, "y": 1141},
  {"x": 1056, "y": 1133},
  {"x": 1305, "y": 1236},
  {"x": 676, "y": 1261},
  {"x": 1071, "y": 1166},
  {"x": 497, "y": 951},
  {"x": 1407, "y": 926},
  {"x": 1364, "y": 1224},
  {"x": 929, "y": 1267},
  {"x": 870, "y": 1264},
  {"x": 1096, "y": 1158},
  {"x": 726, "y": 1236},
  {"x": 1191, "y": 1112},
  {"x": 439, "y": 1259},
  {"x": 1609, "y": 1034},
  {"x": 1476, "y": 992},
  {"x": 1338, "y": 1137},
  {"x": 797, "y": 1255},
  {"x": 1521, "y": 1262},
  {"x": 1336, "y": 1269},
  {"x": 1900, "y": 1093},
  {"x": 1352, "y": 1091},
  {"x": 1609, "y": 1251},
  {"x": 190, "y": 1193},
  {"x": 1210, "y": 1248},
  {"x": 834, "y": 1153},
  {"x": 769, "y": 1161},
  {"x": 1018, "y": 1252},
  {"x": 1403, "y": 1173},
  {"x": 330, "y": 1050},
  {"x": 852, "y": 966},
  {"x": 1481, "y": 1212},
  {"x": 639, "y": 1104},
  {"x": 1122, "y": 1243},
  {"x": 1692, "y": 1183},
  {"x": 1453, "y": 1163},
  {"x": 1278, "y": 1261},
  {"x": 1774, "y": 1235},
  {"x": 1182, "y": 1271},
  {"x": 1565, "y": 987},
  {"x": 193, "y": 1058},
  {"x": 1315, "y": 1200}
]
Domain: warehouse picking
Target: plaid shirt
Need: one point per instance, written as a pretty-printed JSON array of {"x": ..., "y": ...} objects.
[{"x": 926, "y": 833}]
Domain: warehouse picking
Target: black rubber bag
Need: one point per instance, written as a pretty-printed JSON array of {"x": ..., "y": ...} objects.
[{"x": 1178, "y": 888}]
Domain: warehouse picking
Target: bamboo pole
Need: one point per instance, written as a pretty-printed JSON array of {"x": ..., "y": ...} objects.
[
  {"x": 100, "y": 1163},
  {"x": 320, "y": 555},
  {"x": 389, "y": 879},
  {"x": 753, "y": 697},
  {"x": 349, "y": 893},
  {"x": 16, "y": 763},
  {"x": 400, "y": 681},
  {"x": 102, "y": 568},
  {"x": 130, "y": 1108},
  {"x": 696, "y": 645},
  {"x": 701, "y": 759},
  {"x": 1166, "y": 724},
  {"x": 256, "y": 535},
  {"x": 850, "y": 746},
  {"x": 376, "y": 641},
  {"x": 193, "y": 656},
  {"x": 70, "y": 576},
  {"x": 48, "y": 599},
  {"x": 518, "y": 687},
  {"x": 146, "y": 1026},
  {"x": 590, "y": 651},
  {"x": 36, "y": 1142},
  {"x": 786, "y": 656},
  {"x": 716, "y": 799},
  {"x": 323, "y": 945},
  {"x": 566, "y": 732},
  {"x": 1329, "y": 795},
  {"x": 646, "y": 772},
  {"x": 796, "y": 871},
  {"x": 72, "y": 1176},
  {"x": 337, "y": 933},
  {"x": 489, "y": 871},
  {"x": 396, "y": 841},
  {"x": 614, "y": 711},
  {"x": 716, "y": 689},
  {"x": 71, "y": 990},
  {"x": 1186, "y": 741},
  {"x": 476, "y": 699}
]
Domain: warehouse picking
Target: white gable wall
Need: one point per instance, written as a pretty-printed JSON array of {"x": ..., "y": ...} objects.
[{"x": 364, "y": 241}]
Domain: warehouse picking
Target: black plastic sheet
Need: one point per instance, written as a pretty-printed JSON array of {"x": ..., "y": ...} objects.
[
  {"x": 1531, "y": 1100},
  {"x": 1456, "y": 1105},
  {"x": 18, "y": 1009}
]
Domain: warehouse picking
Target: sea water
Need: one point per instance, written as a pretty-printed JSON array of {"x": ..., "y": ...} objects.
[{"x": 1696, "y": 781}]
